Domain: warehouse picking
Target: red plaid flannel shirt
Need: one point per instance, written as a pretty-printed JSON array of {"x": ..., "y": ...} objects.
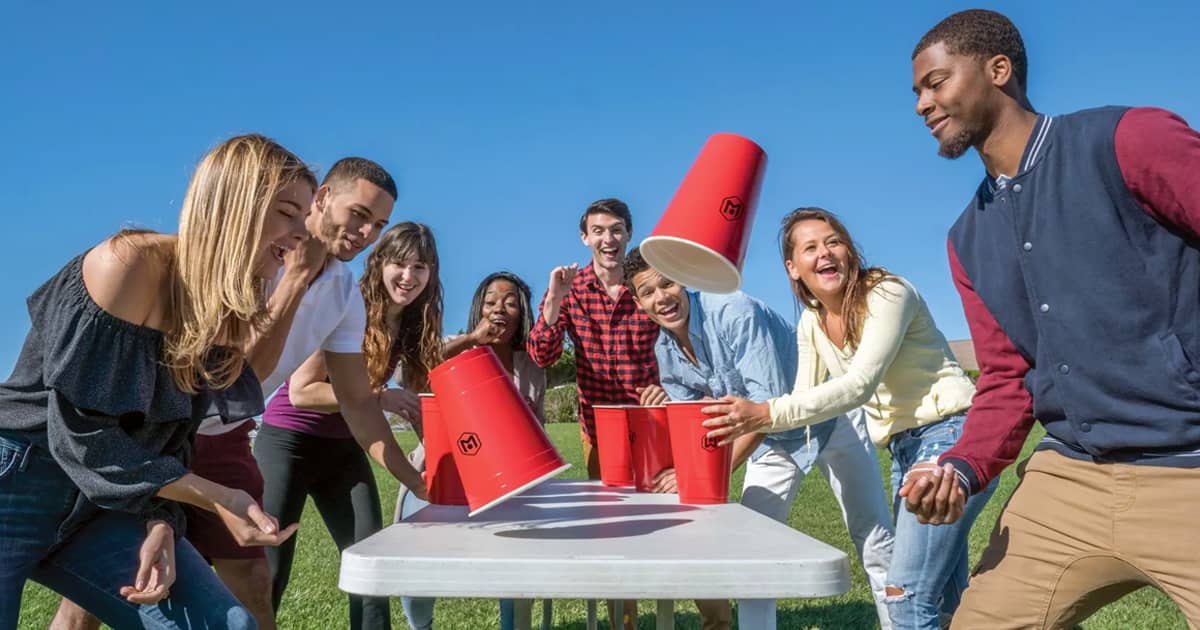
[{"x": 614, "y": 345}]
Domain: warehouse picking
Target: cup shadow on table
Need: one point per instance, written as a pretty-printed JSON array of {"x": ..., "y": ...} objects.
[{"x": 593, "y": 531}]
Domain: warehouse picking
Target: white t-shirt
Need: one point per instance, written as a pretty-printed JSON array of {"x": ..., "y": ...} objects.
[{"x": 331, "y": 317}]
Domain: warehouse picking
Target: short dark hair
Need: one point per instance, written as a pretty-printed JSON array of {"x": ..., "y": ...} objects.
[
  {"x": 979, "y": 33},
  {"x": 615, "y": 207},
  {"x": 351, "y": 168},
  {"x": 634, "y": 264}
]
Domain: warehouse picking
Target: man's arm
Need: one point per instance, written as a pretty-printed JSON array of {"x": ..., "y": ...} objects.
[
  {"x": 1159, "y": 157},
  {"x": 1001, "y": 413},
  {"x": 360, "y": 407},
  {"x": 545, "y": 342},
  {"x": 309, "y": 388},
  {"x": 301, "y": 266}
]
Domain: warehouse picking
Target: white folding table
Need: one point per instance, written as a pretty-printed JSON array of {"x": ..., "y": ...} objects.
[{"x": 579, "y": 539}]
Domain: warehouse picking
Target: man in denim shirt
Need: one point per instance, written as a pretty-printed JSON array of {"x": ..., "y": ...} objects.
[{"x": 716, "y": 345}]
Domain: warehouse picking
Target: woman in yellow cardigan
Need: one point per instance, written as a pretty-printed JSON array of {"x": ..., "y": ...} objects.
[{"x": 866, "y": 339}]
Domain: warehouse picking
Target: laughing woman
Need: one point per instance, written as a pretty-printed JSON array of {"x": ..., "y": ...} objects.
[
  {"x": 131, "y": 345},
  {"x": 872, "y": 334}
]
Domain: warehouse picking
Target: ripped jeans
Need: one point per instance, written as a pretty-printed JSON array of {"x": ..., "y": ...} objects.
[{"x": 929, "y": 562}]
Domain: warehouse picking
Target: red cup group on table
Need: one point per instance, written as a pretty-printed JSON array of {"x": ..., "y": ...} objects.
[
  {"x": 484, "y": 444},
  {"x": 637, "y": 443}
]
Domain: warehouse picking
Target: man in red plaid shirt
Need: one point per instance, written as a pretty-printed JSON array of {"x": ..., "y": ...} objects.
[{"x": 614, "y": 340}]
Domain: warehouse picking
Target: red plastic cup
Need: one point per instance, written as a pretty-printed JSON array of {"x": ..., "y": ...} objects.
[
  {"x": 613, "y": 443},
  {"x": 441, "y": 473},
  {"x": 701, "y": 239},
  {"x": 702, "y": 467},
  {"x": 474, "y": 366},
  {"x": 651, "y": 447},
  {"x": 500, "y": 448}
]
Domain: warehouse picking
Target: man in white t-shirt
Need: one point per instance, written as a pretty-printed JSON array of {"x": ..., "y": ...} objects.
[{"x": 315, "y": 305}]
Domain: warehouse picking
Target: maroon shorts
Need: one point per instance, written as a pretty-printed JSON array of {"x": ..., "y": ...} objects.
[{"x": 225, "y": 459}]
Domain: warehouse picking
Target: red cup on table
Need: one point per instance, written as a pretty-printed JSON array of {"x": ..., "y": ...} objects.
[
  {"x": 702, "y": 466},
  {"x": 499, "y": 447},
  {"x": 650, "y": 449},
  {"x": 613, "y": 443},
  {"x": 441, "y": 473}
]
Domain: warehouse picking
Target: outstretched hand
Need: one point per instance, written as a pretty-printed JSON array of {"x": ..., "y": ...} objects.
[
  {"x": 249, "y": 524},
  {"x": 735, "y": 417},
  {"x": 156, "y": 566}
]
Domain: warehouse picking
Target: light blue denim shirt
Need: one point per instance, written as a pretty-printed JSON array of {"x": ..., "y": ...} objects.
[{"x": 744, "y": 349}]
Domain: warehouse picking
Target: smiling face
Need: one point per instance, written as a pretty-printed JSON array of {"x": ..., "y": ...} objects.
[
  {"x": 502, "y": 307},
  {"x": 956, "y": 96},
  {"x": 350, "y": 216},
  {"x": 283, "y": 227},
  {"x": 663, "y": 300},
  {"x": 606, "y": 235},
  {"x": 820, "y": 260},
  {"x": 405, "y": 280}
]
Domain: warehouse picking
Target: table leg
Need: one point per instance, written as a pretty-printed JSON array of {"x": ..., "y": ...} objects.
[
  {"x": 666, "y": 615},
  {"x": 547, "y": 614},
  {"x": 591, "y": 614},
  {"x": 523, "y": 614}
]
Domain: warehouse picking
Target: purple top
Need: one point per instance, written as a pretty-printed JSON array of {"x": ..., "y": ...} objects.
[{"x": 280, "y": 413}]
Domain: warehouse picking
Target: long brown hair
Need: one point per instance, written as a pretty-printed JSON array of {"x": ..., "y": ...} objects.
[
  {"x": 215, "y": 294},
  {"x": 860, "y": 279},
  {"x": 418, "y": 341}
]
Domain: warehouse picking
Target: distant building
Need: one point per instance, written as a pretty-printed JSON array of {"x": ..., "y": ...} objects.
[{"x": 964, "y": 353}]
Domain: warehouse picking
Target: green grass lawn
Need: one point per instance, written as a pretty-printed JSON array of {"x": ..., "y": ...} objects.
[{"x": 313, "y": 601}]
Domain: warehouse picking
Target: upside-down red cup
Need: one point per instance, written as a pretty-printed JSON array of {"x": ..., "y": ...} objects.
[
  {"x": 441, "y": 473},
  {"x": 651, "y": 446},
  {"x": 499, "y": 446},
  {"x": 701, "y": 239},
  {"x": 475, "y": 365},
  {"x": 702, "y": 467},
  {"x": 613, "y": 445}
]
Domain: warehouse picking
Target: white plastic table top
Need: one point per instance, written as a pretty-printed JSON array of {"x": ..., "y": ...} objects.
[{"x": 579, "y": 539}]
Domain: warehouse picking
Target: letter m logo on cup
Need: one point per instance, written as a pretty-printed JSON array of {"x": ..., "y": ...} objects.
[
  {"x": 731, "y": 208},
  {"x": 710, "y": 444},
  {"x": 469, "y": 444}
]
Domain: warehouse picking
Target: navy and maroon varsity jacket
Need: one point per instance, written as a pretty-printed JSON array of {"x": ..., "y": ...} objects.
[{"x": 1080, "y": 278}]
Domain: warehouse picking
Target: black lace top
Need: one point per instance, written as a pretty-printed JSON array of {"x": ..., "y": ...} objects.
[{"x": 92, "y": 390}]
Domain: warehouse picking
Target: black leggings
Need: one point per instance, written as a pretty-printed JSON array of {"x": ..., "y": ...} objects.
[{"x": 336, "y": 473}]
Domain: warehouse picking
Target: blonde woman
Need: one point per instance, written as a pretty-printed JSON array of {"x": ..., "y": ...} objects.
[{"x": 131, "y": 345}]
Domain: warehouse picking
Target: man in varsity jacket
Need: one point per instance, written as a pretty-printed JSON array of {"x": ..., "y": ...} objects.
[{"x": 1078, "y": 267}]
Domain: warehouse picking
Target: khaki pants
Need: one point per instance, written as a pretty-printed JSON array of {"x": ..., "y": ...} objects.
[{"x": 1076, "y": 536}]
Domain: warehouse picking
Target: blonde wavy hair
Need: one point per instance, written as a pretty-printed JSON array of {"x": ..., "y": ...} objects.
[
  {"x": 860, "y": 279},
  {"x": 216, "y": 297},
  {"x": 418, "y": 340}
]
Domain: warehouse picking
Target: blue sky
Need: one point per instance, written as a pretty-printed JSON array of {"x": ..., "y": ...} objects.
[{"x": 501, "y": 121}]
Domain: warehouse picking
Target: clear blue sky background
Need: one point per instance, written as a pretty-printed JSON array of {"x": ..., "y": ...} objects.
[{"x": 501, "y": 121}]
